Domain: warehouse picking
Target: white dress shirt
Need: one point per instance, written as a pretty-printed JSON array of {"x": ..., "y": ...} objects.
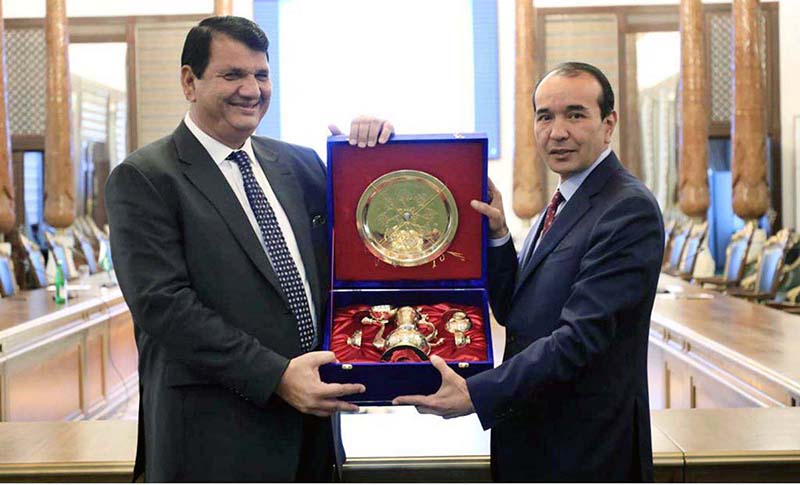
[{"x": 219, "y": 152}]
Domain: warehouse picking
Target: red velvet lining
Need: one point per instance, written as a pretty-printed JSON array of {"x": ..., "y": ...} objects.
[
  {"x": 348, "y": 319},
  {"x": 457, "y": 165}
]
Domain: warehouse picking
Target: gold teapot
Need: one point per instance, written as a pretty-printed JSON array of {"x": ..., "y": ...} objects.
[{"x": 407, "y": 335}]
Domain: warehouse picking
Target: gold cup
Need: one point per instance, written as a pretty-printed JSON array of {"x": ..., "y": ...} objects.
[{"x": 458, "y": 324}]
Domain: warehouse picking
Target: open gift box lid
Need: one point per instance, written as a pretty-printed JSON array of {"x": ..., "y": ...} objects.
[
  {"x": 455, "y": 279},
  {"x": 458, "y": 161}
]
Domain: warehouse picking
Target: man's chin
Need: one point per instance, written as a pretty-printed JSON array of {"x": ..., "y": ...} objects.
[
  {"x": 246, "y": 123},
  {"x": 561, "y": 166}
]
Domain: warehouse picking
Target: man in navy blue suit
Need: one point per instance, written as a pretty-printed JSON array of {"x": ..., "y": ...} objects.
[{"x": 569, "y": 402}]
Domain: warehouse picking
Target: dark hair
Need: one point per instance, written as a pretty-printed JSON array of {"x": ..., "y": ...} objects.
[
  {"x": 197, "y": 47},
  {"x": 574, "y": 69}
]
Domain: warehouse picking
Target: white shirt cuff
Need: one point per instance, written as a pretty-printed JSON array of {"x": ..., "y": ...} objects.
[{"x": 493, "y": 243}]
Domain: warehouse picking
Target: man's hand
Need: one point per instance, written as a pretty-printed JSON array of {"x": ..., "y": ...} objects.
[
  {"x": 366, "y": 131},
  {"x": 493, "y": 212},
  {"x": 450, "y": 401},
  {"x": 302, "y": 388}
]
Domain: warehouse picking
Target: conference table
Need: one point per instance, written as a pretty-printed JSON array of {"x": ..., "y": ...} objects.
[{"x": 724, "y": 381}]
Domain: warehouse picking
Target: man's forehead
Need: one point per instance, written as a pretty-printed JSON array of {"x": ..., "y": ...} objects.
[
  {"x": 228, "y": 58},
  {"x": 569, "y": 90}
]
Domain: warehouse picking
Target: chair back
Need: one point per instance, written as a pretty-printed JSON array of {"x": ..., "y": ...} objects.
[
  {"x": 669, "y": 233},
  {"x": 692, "y": 247},
  {"x": 8, "y": 283},
  {"x": 37, "y": 274},
  {"x": 736, "y": 253},
  {"x": 771, "y": 262},
  {"x": 680, "y": 235},
  {"x": 62, "y": 253},
  {"x": 85, "y": 246}
]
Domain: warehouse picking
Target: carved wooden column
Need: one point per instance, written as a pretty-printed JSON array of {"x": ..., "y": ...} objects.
[
  {"x": 59, "y": 202},
  {"x": 631, "y": 124},
  {"x": 693, "y": 195},
  {"x": 7, "y": 218},
  {"x": 223, "y": 7},
  {"x": 749, "y": 164},
  {"x": 528, "y": 198}
]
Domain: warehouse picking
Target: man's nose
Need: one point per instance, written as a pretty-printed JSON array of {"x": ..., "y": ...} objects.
[
  {"x": 250, "y": 87},
  {"x": 559, "y": 130}
]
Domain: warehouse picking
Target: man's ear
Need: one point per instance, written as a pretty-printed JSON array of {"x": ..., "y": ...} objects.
[
  {"x": 188, "y": 83},
  {"x": 610, "y": 123}
]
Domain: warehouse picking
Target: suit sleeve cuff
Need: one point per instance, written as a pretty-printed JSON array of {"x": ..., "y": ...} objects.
[{"x": 483, "y": 393}]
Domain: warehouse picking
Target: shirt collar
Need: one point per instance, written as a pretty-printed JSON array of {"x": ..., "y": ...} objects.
[
  {"x": 571, "y": 185},
  {"x": 216, "y": 149}
]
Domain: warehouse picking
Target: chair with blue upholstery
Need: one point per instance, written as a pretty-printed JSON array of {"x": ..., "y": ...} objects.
[
  {"x": 769, "y": 269},
  {"x": 8, "y": 281},
  {"x": 691, "y": 249},
  {"x": 677, "y": 244},
  {"x": 735, "y": 259},
  {"x": 87, "y": 250}
]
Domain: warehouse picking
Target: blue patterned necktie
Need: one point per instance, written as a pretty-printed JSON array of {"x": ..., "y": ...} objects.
[{"x": 282, "y": 262}]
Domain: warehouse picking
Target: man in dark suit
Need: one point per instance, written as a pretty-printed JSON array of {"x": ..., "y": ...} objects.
[
  {"x": 569, "y": 402},
  {"x": 220, "y": 246}
]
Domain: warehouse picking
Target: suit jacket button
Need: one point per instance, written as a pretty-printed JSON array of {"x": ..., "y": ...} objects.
[{"x": 318, "y": 220}]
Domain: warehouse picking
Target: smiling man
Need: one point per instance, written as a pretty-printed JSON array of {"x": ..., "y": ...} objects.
[
  {"x": 220, "y": 245},
  {"x": 569, "y": 402}
]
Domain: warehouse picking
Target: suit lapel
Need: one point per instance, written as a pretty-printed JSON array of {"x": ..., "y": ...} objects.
[
  {"x": 201, "y": 171},
  {"x": 573, "y": 211},
  {"x": 287, "y": 190}
]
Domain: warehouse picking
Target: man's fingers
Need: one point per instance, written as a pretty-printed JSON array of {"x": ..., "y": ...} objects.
[
  {"x": 353, "y": 136},
  {"x": 411, "y": 401},
  {"x": 495, "y": 198},
  {"x": 339, "y": 390},
  {"x": 492, "y": 186},
  {"x": 386, "y": 132},
  {"x": 427, "y": 410},
  {"x": 374, "y": 131},
  {"x": 440, "y": 365},
  {"x": 334, "y": 129},
  {"x": 483, "y": 208},
  {"x": 359, "y": 131},
  {"x": 363, "y": 134},
  {"x": 320, "y": 357},
  {"x": 327, "y": 407},
  {"x": 345, "y": 406}
]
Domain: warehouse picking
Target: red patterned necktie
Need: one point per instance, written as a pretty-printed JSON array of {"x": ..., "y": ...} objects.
[{"x": 550, "y": 215}]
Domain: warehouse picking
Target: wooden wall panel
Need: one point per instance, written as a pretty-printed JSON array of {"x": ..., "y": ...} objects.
[
  {"x": 122, "y": 348},
  {"x": 591, "y": 38},
  {"x": 656, "y": 378},
  {"x": 44, "y": 385},
  {"x": 95, "y": 383},
  {"x": 55, "y": 361},
  {"x": 710, "y": 393},
  {"x": 160, "y": 102}
]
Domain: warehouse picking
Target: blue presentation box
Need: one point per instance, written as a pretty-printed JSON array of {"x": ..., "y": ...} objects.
[{"x": 454, "y": 280}]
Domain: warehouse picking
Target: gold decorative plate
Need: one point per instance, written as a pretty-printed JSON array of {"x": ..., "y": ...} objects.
[{"x": 407, "y": 217}]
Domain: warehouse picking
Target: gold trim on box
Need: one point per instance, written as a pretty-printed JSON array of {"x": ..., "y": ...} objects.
[{"x": 407, "y": 218}]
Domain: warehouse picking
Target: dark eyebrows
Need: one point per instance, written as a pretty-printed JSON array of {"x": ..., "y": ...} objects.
[
  {"x": 231, "y": 70},
  {"x": 542, "y": 111},
  {"x": 577, "y": 107}
]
